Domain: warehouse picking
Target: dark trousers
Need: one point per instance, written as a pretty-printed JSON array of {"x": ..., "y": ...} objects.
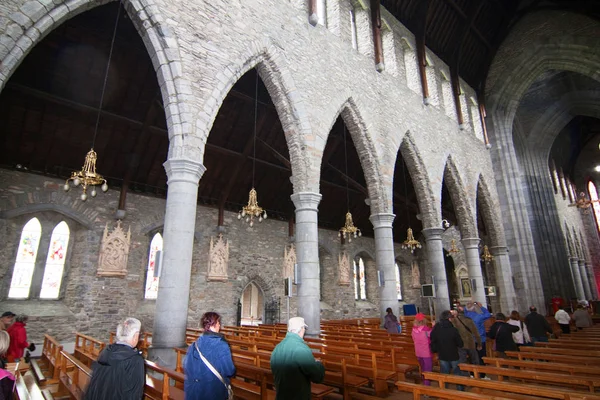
[
  {"x": 566, "y": 328},
  {"x": 481, "y": 353}
]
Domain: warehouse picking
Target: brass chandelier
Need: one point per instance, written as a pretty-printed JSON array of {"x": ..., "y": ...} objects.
[
  {"x": 87, "y": 176},
  {"x": 348, "y": 230},
  {"x": 453, "y": 249},
  {"x": 252, "y": 210},
  {"x": 486, "y": 257},
  {"x": 411, "y": 243},
  {"x": 583, "y": 203}
]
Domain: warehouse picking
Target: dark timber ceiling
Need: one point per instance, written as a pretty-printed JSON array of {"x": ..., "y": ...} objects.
[{"x": 466, "y": 34}]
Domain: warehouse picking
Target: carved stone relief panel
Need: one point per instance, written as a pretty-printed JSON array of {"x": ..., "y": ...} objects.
[
  {"x": 416, "y": 274},
  {"x": 289, "y": 260},
  {"x": 218, "y": 260},
  {"x": 114, "y": 251},
  {"x": 344, "y": 269}
]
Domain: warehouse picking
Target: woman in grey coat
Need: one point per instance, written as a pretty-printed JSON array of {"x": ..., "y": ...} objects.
[{"x": 582, "y": 318}]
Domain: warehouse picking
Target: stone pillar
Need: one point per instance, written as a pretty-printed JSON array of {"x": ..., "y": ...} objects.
[
  {"x": 307, "y": 255},
  {"x": 503, "y": 272},
  {"x": 592, "y": 278},
  {"x": 585, "y": 280},
  {"x": 386, "y": 261},
  {"x": 577, "y": 278},
  {"x": 435, "y": 257},
  {"x": 170, "y": 317},
  {"x": 471, "y": 246}
]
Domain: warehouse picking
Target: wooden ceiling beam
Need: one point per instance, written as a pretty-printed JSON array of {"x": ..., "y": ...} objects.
[
  {"x": 465, "y": 18},
  {"x": 466, "y": 27}
]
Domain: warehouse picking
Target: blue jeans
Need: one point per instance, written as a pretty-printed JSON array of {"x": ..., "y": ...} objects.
[{"x": 447, "y": 366}]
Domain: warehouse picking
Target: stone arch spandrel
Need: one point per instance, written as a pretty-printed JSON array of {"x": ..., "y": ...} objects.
[
  {"x": 364, "y": 143},
  {"x": 82, "y": 217},
  {"x": 430, "y": 213},
  {"x": 490, "y": 212},
  {"x": 270, "y": 62},
  {"x": 34, "y": 20},
  {"x": 460, "y": 200}
]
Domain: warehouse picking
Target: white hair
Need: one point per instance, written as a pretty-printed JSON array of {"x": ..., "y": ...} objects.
[
  {"x": 4, "y": 342},
  {"x": 297, "y": 330},
  {"x": 127, "y": 329}
]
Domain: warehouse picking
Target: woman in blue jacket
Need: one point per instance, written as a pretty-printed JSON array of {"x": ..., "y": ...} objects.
[{"x": 200, "y": 381}]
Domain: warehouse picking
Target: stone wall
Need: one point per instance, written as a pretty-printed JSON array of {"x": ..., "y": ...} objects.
[{"x": 94, "y": 305}]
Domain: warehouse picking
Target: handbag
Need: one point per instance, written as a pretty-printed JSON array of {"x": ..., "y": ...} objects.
[
  {"x": 217, "y": 374},
  {"x": 496, "y": 338}
]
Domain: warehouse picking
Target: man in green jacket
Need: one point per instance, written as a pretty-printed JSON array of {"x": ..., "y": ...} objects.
[{"x": 293, "y": 364}]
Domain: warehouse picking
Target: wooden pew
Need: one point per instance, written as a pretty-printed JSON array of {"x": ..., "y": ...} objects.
[
  {"x": 74, "y": 376},
  {"x": 573, "y": 369},
  {"x": 87, "y": 349},
  {"x": 589, "y": 382},
  {"x": 26, "y": 388},
  {"x": 525, "y": 355},
  {"x": 161, "y": 388},
  {"x": 46, "y": 368},
  {"x": 418, "y": 390},
  {"x": 510, "y": 389}
]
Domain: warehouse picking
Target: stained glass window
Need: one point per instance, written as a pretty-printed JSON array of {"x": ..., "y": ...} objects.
[
  {"x": 594, "y": 196},
  {"x": 151, "y": 280},
  {"x": 25, "y": 262},
  {"x": 360, "y": 291},
  {"x": 398, "y": 282},
  {"x": 55, "y": 262}
]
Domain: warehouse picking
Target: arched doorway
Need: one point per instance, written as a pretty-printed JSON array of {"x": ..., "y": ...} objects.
[{"x": 253, "y": 305}]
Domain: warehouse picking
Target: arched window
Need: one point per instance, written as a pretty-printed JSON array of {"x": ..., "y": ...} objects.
[
  {"x": 594, "y": 196},
  {"x": 55, "y": 262},
  {"x": 398, "y": 282},
  {"x": 25, "y": 262},
  {"x": 360, "y": 292},
  {"x": 152, "y": 278}
]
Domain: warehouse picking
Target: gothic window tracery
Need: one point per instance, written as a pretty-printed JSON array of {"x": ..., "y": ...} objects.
[
  {"x": 360, "y": 291},
  {"x": 25, "y": 261},
  {"x": 594, "y": 196},
  {"x": 55, "y": 262},
  {"x": 152, "y": 277}
]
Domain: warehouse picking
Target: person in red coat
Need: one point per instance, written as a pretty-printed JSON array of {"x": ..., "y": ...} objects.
[{"x": 18, "y": 339}]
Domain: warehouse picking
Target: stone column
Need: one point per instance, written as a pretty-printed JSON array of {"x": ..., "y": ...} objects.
[
  {"x": 170, "y": 317},
  {"x": 471, "y": 246},
  {"x": 585, "y": 279},
  {"x": 592, "y": 278},
  {"x": 307, "y": 256},
  {"x": 577, "y": 278},
  {"x": 435, "y": 257},
  {"x": 503, "y": 272},
  {"x": 386, "y": 261}
]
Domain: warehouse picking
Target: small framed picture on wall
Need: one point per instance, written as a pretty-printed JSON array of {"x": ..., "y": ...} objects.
[{"x": 465, "y": 285}]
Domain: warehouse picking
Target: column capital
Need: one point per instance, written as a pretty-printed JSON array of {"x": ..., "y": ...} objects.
[
  {"x": 432, "y": 233},
  {"x": 574, "y": 259},
  {"x": 498, "y": 250},
  {"x": 382, "y": 220},
  {"x": 183, "y": 170},
  {"x": 306, "y": 200},
  {"x": 470, "y": 243}
]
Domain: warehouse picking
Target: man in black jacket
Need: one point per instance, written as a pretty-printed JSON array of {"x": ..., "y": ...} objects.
[
  {"x": 445, "y": 340},
  {"x": 537, "y": 326},
  {"x": 119, "y": 373}
]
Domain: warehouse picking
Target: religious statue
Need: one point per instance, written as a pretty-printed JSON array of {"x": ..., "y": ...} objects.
[
  {"x": 289, "y": 261},
  {"x": 344, "y": 269},
  {"x": 114, "y": 251},
  {"x": 218, "y": 259},
  {"x": 416, "y": 274}
]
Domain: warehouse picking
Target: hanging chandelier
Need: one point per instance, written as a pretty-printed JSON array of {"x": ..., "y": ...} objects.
[
  {"x": 583, "y": 203},
  {"x": 349, "y": 229},
  {"x": 253, "y": 210},
  {"x": 87, "y": 176},
  {"x": 453, "y": 249},
  {"x": 411, "y": 243},
  {"x": 486, "y": 257}
]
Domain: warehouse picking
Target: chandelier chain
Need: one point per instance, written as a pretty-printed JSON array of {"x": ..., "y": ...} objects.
[
  {"x": 254, "y": 133},
  {"x": 110, "y": 53},
  {"x": 346, "y": 162}
]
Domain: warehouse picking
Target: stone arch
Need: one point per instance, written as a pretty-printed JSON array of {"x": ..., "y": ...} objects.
[
  {"x": 491, "y": 217},
  {"x": 362, "y": 252},
  {"x": 256, "y": 308},
  {"x": 160, "y": 40},
  {"x": 460, "y": 200},
  {"x": 253, "y": 277},
  {"x": 269, "y": 61},
  {"x": 367, "y": 153},
  {"x": 82, "y": 217},
  {"x": 430, "y": 215}
]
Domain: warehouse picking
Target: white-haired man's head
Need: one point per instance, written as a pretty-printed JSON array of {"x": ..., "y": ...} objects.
[
  {"x": 297, "y": 325},
  {"x": 128, "y": 331}
]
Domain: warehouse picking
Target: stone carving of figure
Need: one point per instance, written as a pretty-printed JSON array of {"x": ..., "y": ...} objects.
[
  {"x": 218, "y": 260},
  {"x": 344, "y": 269},
  {"x": 289, "y": 260},
  {"x": 416, "y": 275},
  {"x": 114, "y": 252}
]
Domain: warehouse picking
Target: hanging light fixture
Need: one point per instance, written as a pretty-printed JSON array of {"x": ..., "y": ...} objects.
[
  {"x": 486, "y": 257},
  {"x": 453, "y": 249},
  {"x": 583, "y": 203},
  {"x": 410, "y": 243},
  {"x": 87, "y": 176},
  {"x": 348, "y": 230},
  {"x": 253, "y": 210}
]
